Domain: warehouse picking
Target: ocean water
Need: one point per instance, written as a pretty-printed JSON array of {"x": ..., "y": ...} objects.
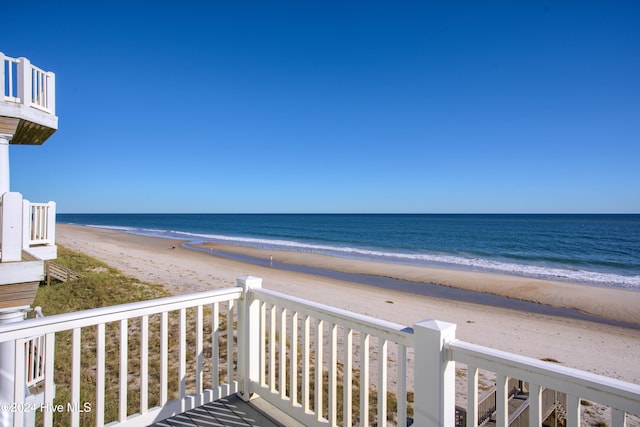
[{"x": 601, "y": 250}]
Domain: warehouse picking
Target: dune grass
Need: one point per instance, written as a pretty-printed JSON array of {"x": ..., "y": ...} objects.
[{"x": 99, "y": 286}]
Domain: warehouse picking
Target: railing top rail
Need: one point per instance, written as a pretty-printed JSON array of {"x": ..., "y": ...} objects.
[
  {"x": 22, "y": 82},
  {"x": 17, "y": 61},
  {"x": 66, "y": 321},
  {"x": 36, "y": 204},
  {"x": 9, "y": 59},
  {"x": 40, "y": 70},
  {"x": 395, "y": 332},
  {"x": 608, "y": 391}
]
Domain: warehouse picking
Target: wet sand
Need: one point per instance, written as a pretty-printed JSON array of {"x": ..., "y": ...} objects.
[{"x": 459, "y": 286}]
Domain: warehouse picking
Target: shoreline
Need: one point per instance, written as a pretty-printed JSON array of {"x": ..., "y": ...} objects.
[
  {"x": 238, "y": 253},
  {"x": 574, "y": 300},
  {"x": 595, "y": 347}
]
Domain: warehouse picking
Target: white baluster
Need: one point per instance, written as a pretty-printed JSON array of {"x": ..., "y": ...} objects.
[
  {"x": 364, "y": 379},
  {"x": 124, "y": 371},
  {"x": 348, "y": 377},
  {"x": 144, "y": 364}
]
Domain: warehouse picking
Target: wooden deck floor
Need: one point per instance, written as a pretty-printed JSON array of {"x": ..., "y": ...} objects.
[{"x": 231, "y": 412}]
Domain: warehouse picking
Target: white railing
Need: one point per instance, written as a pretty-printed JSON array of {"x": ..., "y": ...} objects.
[
  {"x": 9, "y": 72},
  {"x": 175, "y": 341},
  {"x": 40, "y": 219},
  {"x": 292, "y": 337},
  {"x": 620, "y": 396},
  {"x": 26, "y": 84},
  {"x": 301, "y": 343},
  {"x": 321, "y": 365},
  {"x": 26, "y": 226},
  {"x": 35, "y": 353}
]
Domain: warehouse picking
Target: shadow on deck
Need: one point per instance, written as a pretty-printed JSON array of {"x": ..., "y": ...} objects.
[{"x": 231, "y": 412}]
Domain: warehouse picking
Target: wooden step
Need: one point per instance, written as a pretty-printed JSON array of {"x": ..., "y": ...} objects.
[{"x": 59, "y": 272}]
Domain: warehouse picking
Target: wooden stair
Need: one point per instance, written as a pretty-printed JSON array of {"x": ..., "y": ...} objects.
[{"x": 59, "y": 272}]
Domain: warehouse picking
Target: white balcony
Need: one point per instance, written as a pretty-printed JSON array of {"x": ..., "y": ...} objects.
[
  {"x": 27, "y": 230},
  {"x": 27, "y": 239},
  {"x": 27, "y": 101},
  {"x": 26, "y": 227},
  {"x": 140, "y": 363}
]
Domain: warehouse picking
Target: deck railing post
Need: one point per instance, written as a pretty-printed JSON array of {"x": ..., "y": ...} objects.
[
  {"x": 3, "y": 86},
  {"x": 248, "y": 336},
  {"x": 27, "y": 224},
  {"x": 51, "y": 223},
  {"x": 11, "y": 233},
  {"x": 24, "y": 81},
  {"x": 51, "y": 92},
  {"x": 8, "y": 367},
  {"x": 434, "y": 382},
  {"x": 5, "y": 181}
]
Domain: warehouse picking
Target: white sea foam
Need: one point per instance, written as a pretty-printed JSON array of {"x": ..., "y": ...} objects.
[
  {"x": 112, "y": 227},
  {"x": 427, "y": 259}
]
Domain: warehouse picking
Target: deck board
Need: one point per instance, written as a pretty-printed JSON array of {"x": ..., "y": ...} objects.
[{"x": 228, "y": 412}]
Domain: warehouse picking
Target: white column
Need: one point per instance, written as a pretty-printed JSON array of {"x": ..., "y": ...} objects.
[
  {"x": 248, "y": 335},
  {"x": 51, "y": 92},
  {"x": 2, "y": 77},
  {"x": 51, "y": 223},
  {"x": 23, "y": 80},
  {"x": 434, "y": 375},
  {"x": 11, "y": 234},
  {"x": 4, "y": 163},
  {"x": 7, "y": 362}
]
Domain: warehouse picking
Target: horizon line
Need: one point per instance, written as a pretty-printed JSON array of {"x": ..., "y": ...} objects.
[{"x": 348, "y": 213}]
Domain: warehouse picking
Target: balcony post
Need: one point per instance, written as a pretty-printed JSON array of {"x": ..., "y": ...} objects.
[
  {"x": 435, "y": 400},
  {"x": 24, "y": 81},
  {"x": 26, "y": 223},
  {"x": 248, "y": 335},
  {"x": 51, "y": 92},
  {"x": 2, "y": 79},
  {"x": 11, "y": 232},
  {"x": 4, "y": 163},
  {"x": 51, "y": 223},
  {"x": 7, "y": 367}
]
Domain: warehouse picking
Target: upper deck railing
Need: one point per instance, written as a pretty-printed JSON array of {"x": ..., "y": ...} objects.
[
  {"x": 322, "y": 365},
  {"x": 24, "y": 83}
]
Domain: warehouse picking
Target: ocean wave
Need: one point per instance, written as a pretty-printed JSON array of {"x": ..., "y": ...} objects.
[
  {"x": 114, "y": 227},
  {"x": 423, "y": 259},
  {"x": 133, "y": 230}
]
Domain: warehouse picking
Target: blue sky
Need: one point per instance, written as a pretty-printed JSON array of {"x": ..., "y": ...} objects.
[{"x": 334, "y": 106}]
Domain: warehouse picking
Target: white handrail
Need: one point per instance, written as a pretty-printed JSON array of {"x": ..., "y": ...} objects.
[
  {"x": 285, "y": 345},
  {"x": 24, "y": 83},
  {"x": 577, "y": 384},
  {"x": 39, "y": 223},
  {"x": 371, "y": 325},
  {"x": 96, "y": 316},
  {"x": 9, "y": 77},
  {"x": 292, "y": 328},
  {"x": 97, "y": 319},
  {"x": 39, "y": 88},
  {"x": 27, "y": 225}
]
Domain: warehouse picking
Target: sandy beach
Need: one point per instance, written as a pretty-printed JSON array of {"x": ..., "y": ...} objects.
[{"x": 592, "y": 346}]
